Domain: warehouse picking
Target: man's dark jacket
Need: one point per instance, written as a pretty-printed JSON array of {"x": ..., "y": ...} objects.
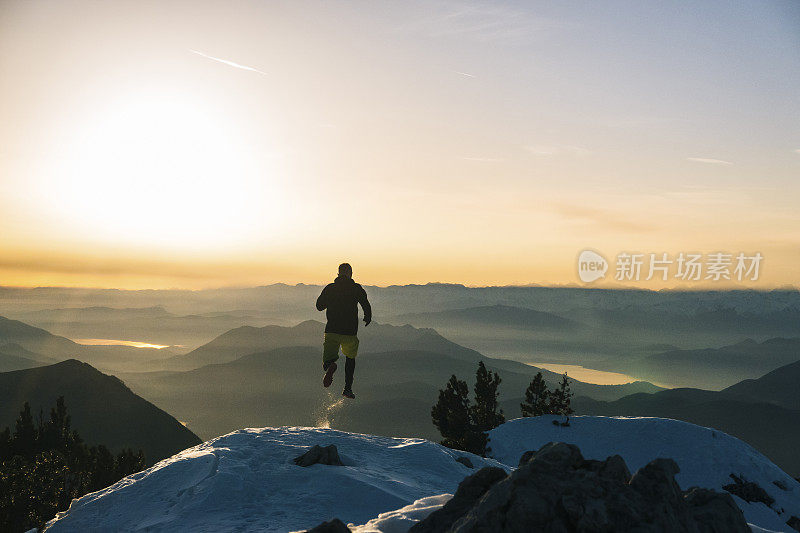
[{"x": 340, "y": 298}]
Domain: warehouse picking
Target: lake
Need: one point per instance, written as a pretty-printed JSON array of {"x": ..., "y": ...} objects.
[
  {"x": 115, "y": 342},
  {"x": 587, "y": 375}
]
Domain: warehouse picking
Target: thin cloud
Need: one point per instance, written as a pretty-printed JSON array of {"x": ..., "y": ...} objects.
[
  {"x": 226, "y": 62},
  {"x": 600, "y": 217},
  {"x": 483, "y": 23},
  {"x": 482, "y": 159},
  {"x": 557, "y": 149},
  {"x": 709, "y": 161}
]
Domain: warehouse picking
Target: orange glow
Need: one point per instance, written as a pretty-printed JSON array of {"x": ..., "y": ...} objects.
[
  {"x": 114, "y": 342},
  {"x": 485, "y": 146}
]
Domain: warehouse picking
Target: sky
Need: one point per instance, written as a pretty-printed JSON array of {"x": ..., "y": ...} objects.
[{"x": 205, "y": 144}]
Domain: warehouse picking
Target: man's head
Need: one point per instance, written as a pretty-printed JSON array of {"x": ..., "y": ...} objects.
[{"x": 346, "y": 270}]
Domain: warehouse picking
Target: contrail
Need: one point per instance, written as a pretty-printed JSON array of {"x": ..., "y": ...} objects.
[
  {"x": 708, "y": 160},
  {"x": 226, "y": 62}
]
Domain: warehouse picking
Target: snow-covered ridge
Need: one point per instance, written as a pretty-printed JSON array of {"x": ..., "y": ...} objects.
[{"x": 246, "y": 480}]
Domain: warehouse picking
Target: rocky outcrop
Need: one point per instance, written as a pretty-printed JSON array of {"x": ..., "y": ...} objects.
[
  {"x": 749, "y": 491},
  {"x": 328, "y": 455},
  {"x": 464, "y": 461},
  {"x": 332, "y": 526},
  {"x": 556, "y": 489},
  {"x": 466, "y": 497}
]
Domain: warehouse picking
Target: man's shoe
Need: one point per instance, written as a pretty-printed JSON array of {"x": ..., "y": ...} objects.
[
  {"x": 347, "y": 393},
  {"x": 328, "y": 379}
]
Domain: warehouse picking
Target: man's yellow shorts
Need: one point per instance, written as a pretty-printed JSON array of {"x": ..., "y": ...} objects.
[{"x": 332, "y": 343}]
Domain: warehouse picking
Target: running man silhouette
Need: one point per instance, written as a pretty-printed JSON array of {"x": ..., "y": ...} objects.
[{"x": 340, "y": 298}]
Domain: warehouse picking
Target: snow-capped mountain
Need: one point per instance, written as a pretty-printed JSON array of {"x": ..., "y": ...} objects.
[{"x": 247, "y": 481}]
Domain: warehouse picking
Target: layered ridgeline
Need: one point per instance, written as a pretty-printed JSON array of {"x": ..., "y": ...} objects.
[
  {"x": 26, "y": 346},
  {"x": 615, "y": 330},
  {"x": 764, "y": 412},
  {"x": 103, "y": 410},
  {"x": 271, "y": 376},
  {"x": 248, "y": 480},
  {"x": 154, "y": 324},
  {"x": 779, "y": 387},
  {"x": 716, "y": 368},
  {"x": 635, "y": 341}
]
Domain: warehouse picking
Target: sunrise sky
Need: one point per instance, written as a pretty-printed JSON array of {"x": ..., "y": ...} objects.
[{"x": 202, "y": 144}]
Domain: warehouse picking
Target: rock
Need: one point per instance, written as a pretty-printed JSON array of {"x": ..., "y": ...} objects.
[
  {"x": 464, "y": 461},
  {"x": 615, "y": 468},
  {"x": 748, "y": 491},
  {"x": 556, "y": 489},
  {"x": 468, "y": 493},
  {"x": 332, "y": 526},
  {"x": 328, "y": 455},
  {"x": 559, "y": 454},
  {"x": 713, "y": 512},
  {"x": 526, "y": 457},
  {"x": 780, "y": 484},
  {"x": 794, "y": 523}
]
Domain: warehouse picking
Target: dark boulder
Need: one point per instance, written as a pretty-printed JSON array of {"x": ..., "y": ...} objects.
[
  {"x": 714, "y": 512},
  {"x": 328, "y": 455},
  {"x": 464, "y": 461},
  {"x": 332, "y": 526},
  {"x": 748, "y": 491},
  {"x": 556, "y": 489},
  {"x": 468, "y": 493}
]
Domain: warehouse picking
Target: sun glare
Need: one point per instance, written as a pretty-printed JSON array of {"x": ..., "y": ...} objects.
[{"x": 163, "y": 169}]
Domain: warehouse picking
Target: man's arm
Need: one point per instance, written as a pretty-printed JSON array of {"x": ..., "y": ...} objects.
[
  {"x": 322, "y": 301},
  {"x": 362, "y": 299}
]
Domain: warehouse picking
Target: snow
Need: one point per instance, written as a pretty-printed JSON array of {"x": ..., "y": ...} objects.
[
  {"x": 402, "y": 519},
  {"x": 246, "y": 480},
  {"x": 705, "y": 456}
]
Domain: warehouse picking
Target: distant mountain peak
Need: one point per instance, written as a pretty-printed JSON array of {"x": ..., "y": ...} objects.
[
  {"x": 103, "y": 409},
  {"x": 746, "y": 342}
]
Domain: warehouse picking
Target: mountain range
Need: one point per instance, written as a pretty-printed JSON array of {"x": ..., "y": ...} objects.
[
  {"x": 495, "y": 316},
  {"x": 762, "y": 412},
  {"x": 716, "y": 368},
  {"x": 102, "y": 408},
  {"x": 780, "y": 387},
  {"x": 26, "y": 346},
  {"x": 154, "y": 325},
  {"x": 271, "y": 376}
]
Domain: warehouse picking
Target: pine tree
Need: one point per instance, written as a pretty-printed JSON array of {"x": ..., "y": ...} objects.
[
  {"x": 24, "y": 440},
  {"x": 537, "y": 398},
  {"x": 45, "y": 465},
  {"x": 486, "y": 414},
  {"x": 464, "y": 426},
  {"x": 128, "y": 461},
  {"x": 451, "y": 415},
  {"x": 561, "y": 397}
]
